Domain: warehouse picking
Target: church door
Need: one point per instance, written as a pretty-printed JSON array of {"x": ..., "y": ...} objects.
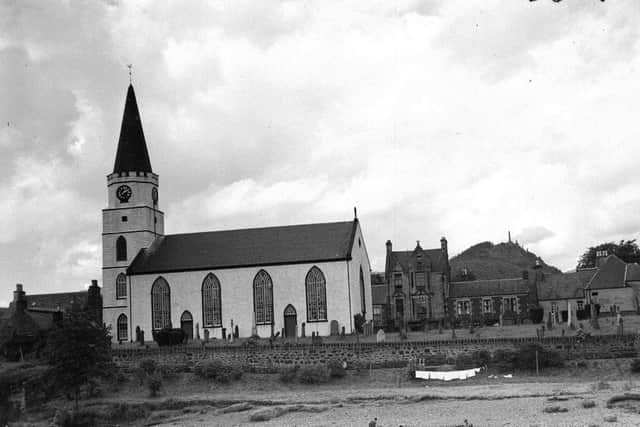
[
  {"x": 186, "y": 323},
  {"x": 290, "y": 321}
]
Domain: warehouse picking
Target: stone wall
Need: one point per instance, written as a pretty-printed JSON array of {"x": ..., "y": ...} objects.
[{"x": 265, "y": 358}]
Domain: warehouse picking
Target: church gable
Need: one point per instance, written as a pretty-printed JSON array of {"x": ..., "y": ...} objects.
[{"x": 293, "y": 244}]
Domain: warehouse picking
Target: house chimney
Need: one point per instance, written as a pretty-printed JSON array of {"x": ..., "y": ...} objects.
[
  {"x": 388, "y": 246},
  {"x": 19, "y": 299},
  {"x": 601, "y": 256}
]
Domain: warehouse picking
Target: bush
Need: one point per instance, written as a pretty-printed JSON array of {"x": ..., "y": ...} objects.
[
  {"x": 504, "y": 359},
  {"x": 315, "y": 374},
  {"x": 336, "y": 370},
  {"x": 536, "y": 315},
  {"x": 635, "y": 366},
  {"x": 169, "y": 337},
  {"x": 148, "y": 366},
  {"x": 463, "y": 361},
  {"x": 526, "y": 357},
  {"x": 289, "y": 374},
  {"x": 481, "y": 358},
  {"x": 219, "y": 371},
  {"x": 410, "y": 371},
  {"x": 154, "y": 383}
]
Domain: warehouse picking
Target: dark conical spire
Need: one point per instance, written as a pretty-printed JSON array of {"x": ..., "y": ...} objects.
[{"x": 132, "y": 155}]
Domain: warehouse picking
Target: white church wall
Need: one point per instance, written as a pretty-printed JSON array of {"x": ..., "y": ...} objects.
[
  {"x": 237, "y": 297},
  {"x": 360, "y": 258}
]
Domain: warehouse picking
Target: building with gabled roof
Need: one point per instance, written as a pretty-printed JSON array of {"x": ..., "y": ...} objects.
[
  {"x": 262, "y": 281},
  {"x": 615, "y": 287},
  {"x": 417, "y": 284}
]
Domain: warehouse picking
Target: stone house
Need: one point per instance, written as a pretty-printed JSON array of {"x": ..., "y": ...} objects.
[
  {"x": 417, "y": 284},
  {"x": 558, "y": 293},
  {"x": 484, "y": 301},
  {"x": 615, "y": 286}
]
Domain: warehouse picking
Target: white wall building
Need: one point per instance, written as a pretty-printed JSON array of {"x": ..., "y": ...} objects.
[{"x": 273, "y": 278}]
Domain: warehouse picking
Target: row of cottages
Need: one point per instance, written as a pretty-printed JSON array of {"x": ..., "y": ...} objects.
[{"x": 415, "y": 289}]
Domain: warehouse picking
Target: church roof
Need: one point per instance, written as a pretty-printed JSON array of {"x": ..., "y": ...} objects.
[
  {"x": 291, "y": 244},
  {"x": 132, "y": 155}
]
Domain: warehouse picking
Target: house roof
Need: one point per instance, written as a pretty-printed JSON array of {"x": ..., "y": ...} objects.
[
  {"x": 291, "y": 244},
  {"x": 437, "y": 261},
  {"x": 132, "y": 154},
  {"x": 4, "y": 312},
  {"x": 565, "y": 285},
  {"x": 482, "y": 288},
  {"x": 63, "y": 300},
  {"x": 633, "y": 272},
  {"x": 610, "y": 275}
]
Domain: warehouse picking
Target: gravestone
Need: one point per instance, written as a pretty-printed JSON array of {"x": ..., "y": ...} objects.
[
  {"x": 137, "y": 333},
  {"x": 236, "y": 332},
  {"x": 380, "y": 336},
  {"x": 334, "y": 328},
  {"x": 141, "y": 337},
  {"x": 342, "y": 333},
  {"x": 367, "y": 329},
  {"x": 206, "y": 334},
  {"x": 302, "y": 331},
  {"x": 224, "y": 333},
  {"x": 197, "y": 331}
]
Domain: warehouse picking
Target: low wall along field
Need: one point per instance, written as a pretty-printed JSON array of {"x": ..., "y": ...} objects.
[{"x": 384, "y": 355}]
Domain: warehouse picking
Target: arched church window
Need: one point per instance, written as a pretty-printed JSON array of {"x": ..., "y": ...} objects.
[
  {"x": 315, "y": 285},
  {"x": 362, "y": 296},
  {"x": 160, "y": 304},
  {"x": 121, "y": 286},
  {"x": 123, "y": 328},
  {"x": 121, "y": 249},
  {"x": 263, "y": 298},
  {"x": 211, "y": 304}
]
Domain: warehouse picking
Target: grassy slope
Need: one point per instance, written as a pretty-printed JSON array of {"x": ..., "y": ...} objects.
[{"x": 488, "y": 261}]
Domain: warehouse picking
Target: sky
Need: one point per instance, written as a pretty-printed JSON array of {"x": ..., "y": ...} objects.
[{"x": 457, "y": 118}]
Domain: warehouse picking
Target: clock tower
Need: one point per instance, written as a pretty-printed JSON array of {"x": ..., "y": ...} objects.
[{"x": 131, "y": 221}]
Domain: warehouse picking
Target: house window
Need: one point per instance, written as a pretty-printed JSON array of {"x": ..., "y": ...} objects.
[
  {"x": 420, "y": 280},
  {"x": 378, "y": 318},
  {"x": 580, "y": 305},
  {"x": 121, "y": 286},
  {"x": 121, "y": 249},
  {"x": 125, "y": 219},
  {"x": 510, "y": 304},
  {"x": 397, "y": 281},
  {"x": 315, "y": 285},
  {"x": 399, "y": 308},
  {"x": 487, "y": 305},
  {"x": 211, "y": 302},
  {"x": 263, "y": 298},
  {"x": 463, "y": 307},
  {"x": 123, "y": 328},
  {"x": 160, "y": 304},
  {"x": 419, "y": 307}
]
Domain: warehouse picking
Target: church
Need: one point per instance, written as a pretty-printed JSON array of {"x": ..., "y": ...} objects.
[{"x": 263, "y": 281}]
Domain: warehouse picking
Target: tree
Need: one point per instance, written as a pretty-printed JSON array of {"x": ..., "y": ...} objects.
[
  {"x": 78, "y": 350},
  {"x": 626, "y": 250}
]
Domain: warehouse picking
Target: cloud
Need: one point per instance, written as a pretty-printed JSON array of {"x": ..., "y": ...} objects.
[
  {"x": 433, "y": 118},
  {"x": 532, "y": 235}
]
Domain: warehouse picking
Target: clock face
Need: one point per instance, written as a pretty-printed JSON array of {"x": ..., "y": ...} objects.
[
  {"x": 154, "y": 194},
  {"x": 123, "y": 193}
]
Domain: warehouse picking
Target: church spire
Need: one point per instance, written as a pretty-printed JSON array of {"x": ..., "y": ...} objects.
[{"x": 132, "y": 155}]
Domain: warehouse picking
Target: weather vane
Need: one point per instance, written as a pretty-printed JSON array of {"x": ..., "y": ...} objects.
[{"x": 129, "y": 67}]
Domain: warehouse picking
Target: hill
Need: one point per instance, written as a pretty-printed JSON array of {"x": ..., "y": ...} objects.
[{"x": 488, "y": 261}]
